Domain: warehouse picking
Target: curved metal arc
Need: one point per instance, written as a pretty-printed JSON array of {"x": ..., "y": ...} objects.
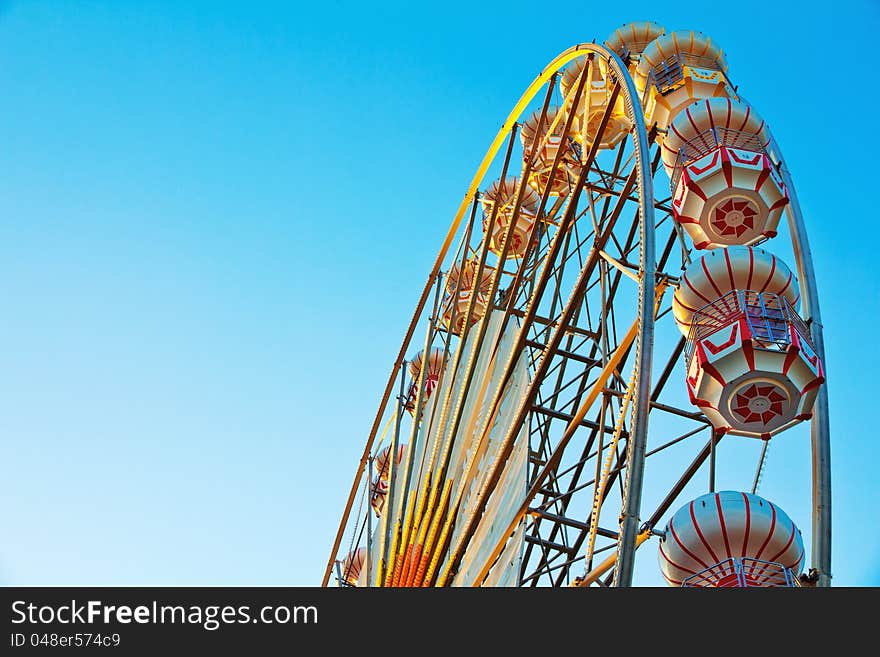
[
  {"x": 636, "y": 445},
  {"x": 820, "y": 427}
]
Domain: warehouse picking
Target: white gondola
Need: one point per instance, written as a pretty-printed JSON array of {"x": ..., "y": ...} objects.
[
  {"x": 503, "y": 194},
  {"x": 592, "y": 105},
  {"x": 352, "y": 565},
  {"x": 460, "y": 288},
  {"x": 751, "y": 365},
  {"x": 731, "y": 539},
  {"x": 630, "y": 39},
  {"x": 725, "y": 188},
  {"x": 676, "y": 69},
  {"x": 535, "y": 131}
]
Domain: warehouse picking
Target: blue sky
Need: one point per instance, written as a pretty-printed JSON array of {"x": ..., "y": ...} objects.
[{"x": 216, "y": 217}]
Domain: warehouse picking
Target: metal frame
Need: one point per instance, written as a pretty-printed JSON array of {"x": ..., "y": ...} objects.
[{"x": 587, "y": 330}]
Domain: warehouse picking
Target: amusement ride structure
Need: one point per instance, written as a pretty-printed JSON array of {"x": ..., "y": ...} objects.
[{"x": 612, "y": 267}]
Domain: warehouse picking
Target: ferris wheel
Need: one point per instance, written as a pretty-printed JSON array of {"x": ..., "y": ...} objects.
[{"x": 608, "y": 305}]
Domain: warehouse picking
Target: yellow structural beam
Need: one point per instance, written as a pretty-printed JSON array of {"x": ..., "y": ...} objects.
[{"x": 606, "y": 565}]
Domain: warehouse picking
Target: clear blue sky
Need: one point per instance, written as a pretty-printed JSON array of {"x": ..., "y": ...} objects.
[{"x": 215, "y": 219}]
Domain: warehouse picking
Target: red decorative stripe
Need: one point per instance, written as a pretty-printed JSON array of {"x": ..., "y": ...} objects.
[
  {"x": 693, "y": 186},
  {"x": 709, "y": 112},
  {"x": 687, "y": 111},
  {"x": 750, "y": 161},
  {"x": 748, "y": 350},
  {"x": 699, "y": 170},
  {"x": 748, "y": 525},
  {"x": 700, "y": 534},
  {"x": 714, "y": 349},
  {"x": 796, "y": 562},
  {"x": 769, "y": 534},
  {"x": 787, "y": 283},
  {"x": 673, "y": 564},
  {"x": 684, "y": 219},
  {"x": 757, "y": 576},
  {"x": 726, "y": 167},
  {"x": 815, "y": 383},
  {"x": 693, "y": 289},
  {"x": 709, "y": 277},
  {"x": 782, "y": 551},
  {"x": 746, "y": 118},
  {"x": 682, "y": 546},
  {"x": 729, "y": 270},
  {"x": 790, "y": 358},
  {"x": 678, "y": 134},
  {"x": 709, "y": 369},
  {"x": 723, "y": 526},
  {"x": 772, "y": 271},
  {"x": 781, "y": 203},
  {"x": 751, "y": 269},
  {"x": 762, "y": 177},
  {"x": 685, "y": 306},
  {"x": 760, "y": 576},
  {"x": 671, "y": 582}
]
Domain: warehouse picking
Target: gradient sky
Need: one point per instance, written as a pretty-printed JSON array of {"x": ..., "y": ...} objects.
[{"x": 217, "y": 216}]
